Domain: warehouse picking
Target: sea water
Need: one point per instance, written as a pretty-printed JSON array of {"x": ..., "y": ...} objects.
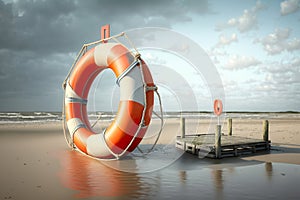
[{"x": 33, "y": 117}]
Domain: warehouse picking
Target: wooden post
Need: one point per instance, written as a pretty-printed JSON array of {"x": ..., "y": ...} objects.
[
  {"x": 266, "y": 130},
  {"x": 182, "y": 127},
  {"x": 218, "y": 141},
  {"x": 229, "y": 126}
]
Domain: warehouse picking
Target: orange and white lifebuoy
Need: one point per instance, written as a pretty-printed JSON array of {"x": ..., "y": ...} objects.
[
  {"x": 218, "y": 107},
  {"x": 135, "y": 107}
]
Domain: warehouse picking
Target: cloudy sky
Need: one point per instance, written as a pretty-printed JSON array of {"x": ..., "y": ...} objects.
[{"x": 254, "y": 45}]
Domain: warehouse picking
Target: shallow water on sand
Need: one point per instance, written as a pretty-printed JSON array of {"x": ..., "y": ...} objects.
[
  {"x": 188, "y": 177},
  {"x": 37, "y": 164}
]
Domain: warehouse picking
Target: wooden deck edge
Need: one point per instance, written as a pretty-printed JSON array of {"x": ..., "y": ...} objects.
[{"x": 226, "y": 150}]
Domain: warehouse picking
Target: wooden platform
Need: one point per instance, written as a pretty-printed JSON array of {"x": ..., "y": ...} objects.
[{"x": 203, "y": 145}]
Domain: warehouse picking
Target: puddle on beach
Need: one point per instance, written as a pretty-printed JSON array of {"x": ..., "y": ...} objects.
[{"x": 187, "y": 177}]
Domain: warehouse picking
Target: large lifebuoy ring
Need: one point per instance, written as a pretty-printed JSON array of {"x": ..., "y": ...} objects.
[{"x": 136, "y": 101}]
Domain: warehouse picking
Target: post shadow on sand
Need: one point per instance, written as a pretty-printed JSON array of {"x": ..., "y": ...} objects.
[
  {"x": 217, "y": 174},
  {"x": 285, "y": 148},
  {"x": 219, "y": 180}
]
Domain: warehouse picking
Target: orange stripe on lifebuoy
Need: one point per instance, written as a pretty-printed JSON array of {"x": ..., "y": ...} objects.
[
  {"x": 119, "y": 59},
  {"x": 84, "y": 68}
]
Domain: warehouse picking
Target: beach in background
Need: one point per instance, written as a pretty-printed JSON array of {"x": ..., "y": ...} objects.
[{"x": 36, "y": 162}]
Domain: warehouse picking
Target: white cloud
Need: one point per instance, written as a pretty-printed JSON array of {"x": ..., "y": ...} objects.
[
  {"x": 225, "y": 40},
  {"x": 237, "y": 62},
  {"x": 289, "y": 6},
  {"x": 296, "y": 63},
  {"x": 258, "y": 6},
  {"x": 273, "y": 49},
  {"x": 217, "y": 51},
  {"x": 246, "y": 22},
  {"x": 291, "y": 66},
  {"x": 276, "y": 37},
  {"x": 265, "y": 88},
  {"x": 293, "y": 44},
  {"x": 281, "y": 79},
  {"x": 232, "y": 22},
  {"x": 278, "y": 41}
]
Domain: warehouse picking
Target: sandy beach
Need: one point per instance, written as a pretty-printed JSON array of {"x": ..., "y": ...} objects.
[{"x": 36, "y": 163}]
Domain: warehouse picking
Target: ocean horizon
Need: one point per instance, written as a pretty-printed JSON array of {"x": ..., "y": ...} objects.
[{"x": 46, "y": 116}]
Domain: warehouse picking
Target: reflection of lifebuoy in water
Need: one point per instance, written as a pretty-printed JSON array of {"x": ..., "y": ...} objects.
[
  {"x": 91, "y": 178},
  {"x": 135, "y": 107},
  {"x": 218, "y": 107}
]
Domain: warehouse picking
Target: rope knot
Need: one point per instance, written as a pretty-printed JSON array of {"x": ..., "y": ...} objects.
[{"x": 137, "y": 56}]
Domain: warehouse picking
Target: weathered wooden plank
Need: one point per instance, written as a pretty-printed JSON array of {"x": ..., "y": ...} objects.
[
  {"x": 182, "y": 127},
  {"x": 218, "y": 145},
  {"x": 266, "y": 130},
  {"x": 229, "y": 126}
]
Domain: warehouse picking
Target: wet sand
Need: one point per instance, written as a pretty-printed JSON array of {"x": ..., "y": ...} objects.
[{"x": 36, "y": 163}]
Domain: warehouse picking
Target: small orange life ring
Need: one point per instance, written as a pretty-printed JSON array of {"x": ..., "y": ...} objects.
[
  {"x": 136, "y": 101},
  {"x": 218, "y": 107}
]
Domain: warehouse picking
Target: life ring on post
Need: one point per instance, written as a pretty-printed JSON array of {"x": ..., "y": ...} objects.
[
  {"x": 135, "y": 107},
  {"x": 218, "y": 107}
]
